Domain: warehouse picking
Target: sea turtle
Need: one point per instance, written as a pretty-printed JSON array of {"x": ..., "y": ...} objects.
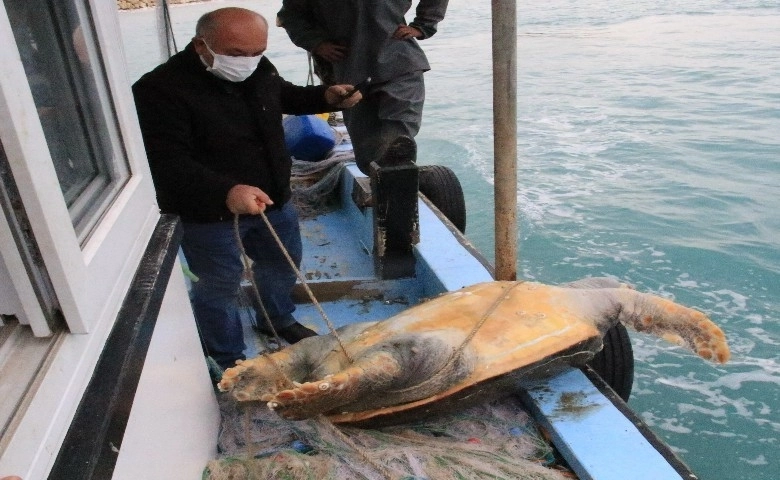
[{"x": 461, "y": 347}]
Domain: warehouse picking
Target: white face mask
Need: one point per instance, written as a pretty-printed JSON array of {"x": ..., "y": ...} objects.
[{"x": 234, "y": 69}]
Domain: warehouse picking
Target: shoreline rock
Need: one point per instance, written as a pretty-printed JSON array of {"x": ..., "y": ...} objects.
[{"x": 135, "y": 4}]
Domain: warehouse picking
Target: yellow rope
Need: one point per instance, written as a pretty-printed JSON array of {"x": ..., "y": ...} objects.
[
  {"x": 484, "y": 318},
  {"x": 446, "y": 369}
]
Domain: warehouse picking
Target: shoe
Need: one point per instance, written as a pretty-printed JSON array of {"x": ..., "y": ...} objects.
[
  {"x": 296, "y": 332},
  {"x": 401, "y": 150}
]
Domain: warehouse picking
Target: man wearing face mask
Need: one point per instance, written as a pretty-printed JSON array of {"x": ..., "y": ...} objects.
[{"x": 211, "y": 122}]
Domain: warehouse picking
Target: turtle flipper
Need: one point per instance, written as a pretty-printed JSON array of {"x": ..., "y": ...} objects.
[
  {"x": 252, "y": 379},
  {"x": 672, "y": 322},
  {"x": 367, "y": 374}
]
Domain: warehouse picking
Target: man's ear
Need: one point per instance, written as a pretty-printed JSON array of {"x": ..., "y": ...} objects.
[{"x": 200, "y": 46}]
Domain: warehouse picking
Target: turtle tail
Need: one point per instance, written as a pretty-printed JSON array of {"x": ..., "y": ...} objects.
[{"x": 672, "y": 322}]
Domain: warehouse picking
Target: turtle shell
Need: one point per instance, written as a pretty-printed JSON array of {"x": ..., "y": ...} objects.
[{"x": 460, "y": 348}]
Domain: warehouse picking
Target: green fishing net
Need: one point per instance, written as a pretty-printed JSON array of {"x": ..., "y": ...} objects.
[{"x": 493, "y": 441}]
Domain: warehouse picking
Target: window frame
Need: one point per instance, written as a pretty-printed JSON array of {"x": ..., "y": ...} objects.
[{"x": 90, "y": 278}]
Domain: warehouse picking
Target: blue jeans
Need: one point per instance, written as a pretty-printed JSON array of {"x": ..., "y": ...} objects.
[{"x": 214, "y": 257}]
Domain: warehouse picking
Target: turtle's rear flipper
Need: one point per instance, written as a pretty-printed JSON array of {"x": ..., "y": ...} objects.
[{"x": 672, "y": 322}]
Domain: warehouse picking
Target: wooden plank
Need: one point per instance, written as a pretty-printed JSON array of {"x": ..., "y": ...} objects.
[
  {"x": 396, "y": 224},
  {"x": 592, "y": 434}
]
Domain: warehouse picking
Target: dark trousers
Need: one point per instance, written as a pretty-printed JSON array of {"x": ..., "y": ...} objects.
[
  {"x": 388, "y": 110},
  {"x": 213, "y": 256}
]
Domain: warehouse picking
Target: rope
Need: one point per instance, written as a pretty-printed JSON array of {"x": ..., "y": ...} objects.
[
  {"x": 323, "y": 421},
  {"x": 447, "y": 368},
  {"x": 484, "y": 318},
  {"x": 256, "y": 291},
  {"x": 248, "y": 273},
  {"x": 288, "y": 382},
  {"x": 310, "y": 76},
  {"x": 170, "y": 40}
]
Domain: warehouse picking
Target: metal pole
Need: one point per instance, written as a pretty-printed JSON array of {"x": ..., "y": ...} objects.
[{"x": 505, "y": 136}]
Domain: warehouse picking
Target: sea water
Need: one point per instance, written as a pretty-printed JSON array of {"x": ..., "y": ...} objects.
[{"x": 649, "y": 151}]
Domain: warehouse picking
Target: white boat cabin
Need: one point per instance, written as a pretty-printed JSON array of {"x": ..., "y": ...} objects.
[{"x": 101, "y": 370}]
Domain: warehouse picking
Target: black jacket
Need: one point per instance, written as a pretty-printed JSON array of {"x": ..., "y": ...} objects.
[{"x": 204, "y": 135}]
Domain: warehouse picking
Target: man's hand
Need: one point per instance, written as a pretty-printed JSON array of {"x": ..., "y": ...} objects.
[
  {"x": 331, "y": 52},
  {"x": 339, "y": 96},
  {"x": 405, "y": 32},
  {"x": 247, "y": 199}
]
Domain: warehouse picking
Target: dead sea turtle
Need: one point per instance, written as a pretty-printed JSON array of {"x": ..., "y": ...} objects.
[{"x": 459, "y": 348}]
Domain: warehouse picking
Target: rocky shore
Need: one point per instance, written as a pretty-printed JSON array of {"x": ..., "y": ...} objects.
[{"x": 133, "y": 4}]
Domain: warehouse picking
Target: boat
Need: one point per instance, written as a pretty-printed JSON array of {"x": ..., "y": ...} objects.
[{"x": 101, "y": 370}]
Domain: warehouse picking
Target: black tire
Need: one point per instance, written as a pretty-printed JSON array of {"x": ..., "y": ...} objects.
[
  {"x": 615, "y": 362},
  {"x": 441, "y": 186}
]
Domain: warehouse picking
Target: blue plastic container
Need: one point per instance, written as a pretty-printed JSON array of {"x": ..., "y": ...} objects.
[{"x": 308, "y": 137}]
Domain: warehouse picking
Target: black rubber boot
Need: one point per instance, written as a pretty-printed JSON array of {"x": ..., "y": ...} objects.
[{"x": 401, "y": 150}]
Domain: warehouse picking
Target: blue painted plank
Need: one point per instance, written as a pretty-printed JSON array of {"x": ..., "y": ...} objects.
[
  {"x": 445, "y": 261},
  {"x": 331, "y": 255},
  {"x": 597, "y": 440}
]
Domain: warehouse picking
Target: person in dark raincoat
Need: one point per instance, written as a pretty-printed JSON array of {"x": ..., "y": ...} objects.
[{"x": 353, "y": 40}]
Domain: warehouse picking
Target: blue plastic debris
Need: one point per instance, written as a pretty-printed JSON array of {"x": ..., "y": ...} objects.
[
  {"x": 301, "y": 447},
  {"x": 308, "y": 137}
]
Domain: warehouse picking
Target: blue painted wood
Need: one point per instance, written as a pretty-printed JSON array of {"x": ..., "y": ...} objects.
[
  {"x": 594, "y": 437},
  {"x": 332, "y": 255},
  {"x": 363, "y": 219},
  {"x": 379, "y": 303},
  {"x": 443, "y": 262}
]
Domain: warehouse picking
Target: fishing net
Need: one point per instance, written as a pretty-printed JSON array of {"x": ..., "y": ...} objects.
[
  {"x": 492, "y": 441},
  {"x": 314, "y": 184}
]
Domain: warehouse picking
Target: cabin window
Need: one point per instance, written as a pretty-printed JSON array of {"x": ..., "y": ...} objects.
[
  {"x": 58, "y": 48},
  {"x": 77, "y": 211},
  {"x": 75, "y": 156}
]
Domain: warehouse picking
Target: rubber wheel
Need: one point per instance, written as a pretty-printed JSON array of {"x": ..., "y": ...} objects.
[
  {"x": 615, "y": 362},
  {"x": 440, "y": 185}
]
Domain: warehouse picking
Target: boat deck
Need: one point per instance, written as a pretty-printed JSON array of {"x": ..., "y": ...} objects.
[{"x": 339, "y": 269}]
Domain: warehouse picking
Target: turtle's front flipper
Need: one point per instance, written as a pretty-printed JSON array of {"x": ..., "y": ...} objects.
[
  {"x": 367, "y": 374},
  {"x": 258, "y": 378},
  {"x": 671, "y": 321},
  {"x": 252, "y": 379}
]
